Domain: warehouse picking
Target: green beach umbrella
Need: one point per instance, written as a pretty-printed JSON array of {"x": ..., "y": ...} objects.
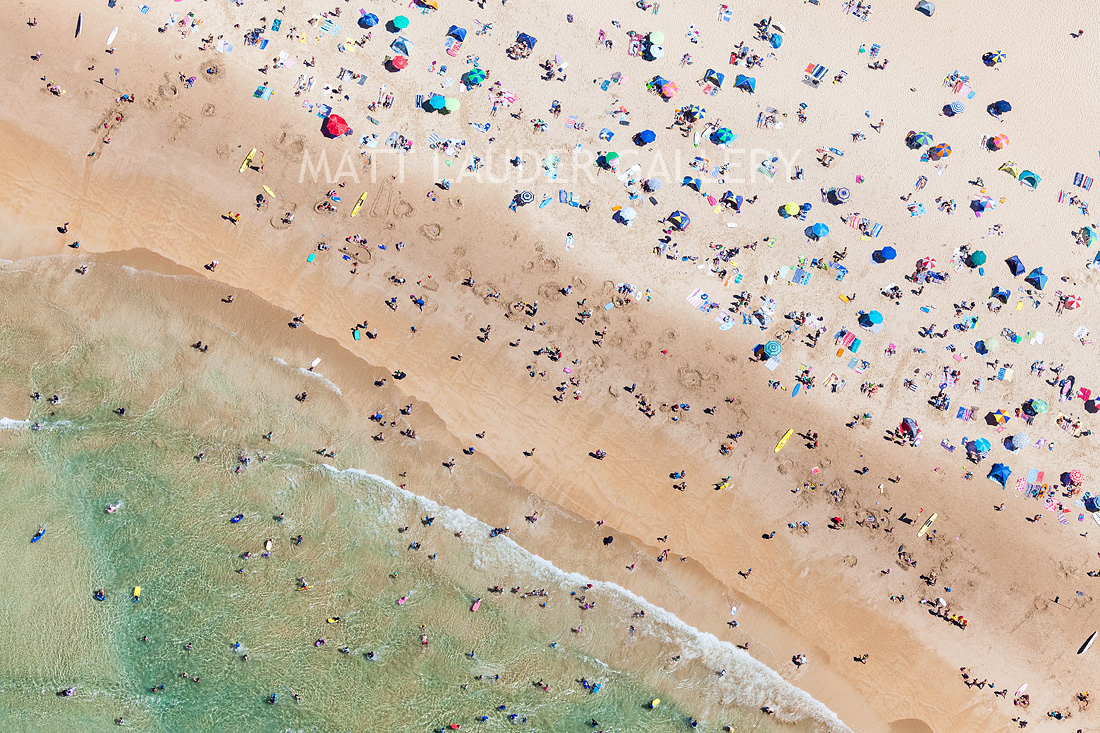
[
  {"x": 656, "y": 38},
  {"x": 401, "y": 22},
  {"x": 451, "y": 104},
  {"x": 977, "y": 259}
]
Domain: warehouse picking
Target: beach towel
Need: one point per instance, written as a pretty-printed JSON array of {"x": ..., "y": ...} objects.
[
  {"x": 1061, "y": 197},
  {"x": 263, "y": 93},
  {"x": 876, "y": 230},
  {"x": 696, "y": 298},
  {"x": 1082, "y": 181},
  {"x": 276, "y": 24},
  {"x": 855, "y": 221},
  {"x": 418, "y": 102},
  {"x": 571, "y": 121},
  {"x": 144, "y": 9},
  {"x": 433, "y": 139}
]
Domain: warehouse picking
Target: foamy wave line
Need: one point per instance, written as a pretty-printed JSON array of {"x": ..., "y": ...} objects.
[
  {"x": 315, "y": 375},
  {"x": 755, "y": 683},
  {"x": 6, "y": 423}
]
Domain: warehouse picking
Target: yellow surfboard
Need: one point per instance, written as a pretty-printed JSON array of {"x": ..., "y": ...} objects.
[
  {"x": 359, "y": 204},
  {"x": 927, "y": 524},
  {"x": 247, "y": 159},
  {"x": 269, "y": 192},
  {"x": 783, "y": 441}
]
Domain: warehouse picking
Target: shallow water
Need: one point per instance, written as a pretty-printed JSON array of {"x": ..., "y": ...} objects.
[{"x": 172, "y": 535}]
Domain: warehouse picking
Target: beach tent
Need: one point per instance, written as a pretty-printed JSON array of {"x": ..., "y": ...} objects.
[
  {"x": 527, "y": 40},
  {"x": 735, "y": 200},
  {"x": 1037, "y": 278},
  {"x": 1015, "y": 265},
  {"x": 457, "y": 33},
  {"x": 368, "y": 20},
  {"x": 909, "y": 428},
  {"x": 1000, "y": 473},
  {"x": 1030, "y": 179},
  {"x": 748, "y": 83},
  {"x": 335, "y": 126},
  {"x": 693, "y": 183},
  {"x": 679, "y": 219},
  {"x": 1010, "y": 168},
  {"x": 926, "y": 7},
  {"x": 776, "y": 40},
  {"x": 977, "y": 259},
  {"x": 402, "y": 46},
  {"x": 715, "y": 77},
  {"x": 645, "y": 137},
  {"x": 917, "y": 139},
  {"x": 1001, "y": 294}
]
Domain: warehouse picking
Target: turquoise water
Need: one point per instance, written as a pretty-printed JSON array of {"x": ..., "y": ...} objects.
[{"x": 172, "y": 535}]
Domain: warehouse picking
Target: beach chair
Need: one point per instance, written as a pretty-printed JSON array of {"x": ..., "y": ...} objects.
[
  {"x": 815, "y": 73},
  {"x": 876, "y": 230}
]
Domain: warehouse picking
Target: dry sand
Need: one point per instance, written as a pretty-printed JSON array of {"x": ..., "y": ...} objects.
[{"x": 169, "y": 173}]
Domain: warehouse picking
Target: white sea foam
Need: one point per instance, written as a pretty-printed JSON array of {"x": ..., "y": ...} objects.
[
  {"x": 6, "y": 423},
  {"x": 315, "y": 375},
  {"x": 751, "y": 683}
]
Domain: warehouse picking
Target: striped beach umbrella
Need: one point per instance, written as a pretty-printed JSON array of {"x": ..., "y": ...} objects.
[
  {"x": 842, "y": 194},
  {"x": 927, "y": 263},
  {"x": 526, "y": 197},
  {"x": 1072, "y": 302},
  {"x": 939, "y": 151},
  {"x": 773, "y": 348},
  {"x": 1001, "y": 417},
  {"x": 998, "y": 142},
  {"x": 1076, "y": 477},
  {"x": 956, "y": 107},
  {"x": 920, "y": 138}
]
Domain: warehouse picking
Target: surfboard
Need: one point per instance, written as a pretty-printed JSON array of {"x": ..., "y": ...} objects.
[
  {"x": 269, "y": 192},
  {"x": 783, "y": 441},
  {"x": 111, "y": 38},
  {"x": 698, "y": 138},
  {"x": 79, "y": 24},
  {"x": 1020, "y": 691},
  {"x": 1088, "y": 642},
  {"x": 927, "y": 524},
  {"x": 359, "y": 204},
  {"x": 137, "y": 593},
  {"x": 247, "y": 159},
  {"x": 797, "y": 387}
]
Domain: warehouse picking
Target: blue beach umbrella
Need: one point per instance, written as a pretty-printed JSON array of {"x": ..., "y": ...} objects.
[
  {"x": 457, "y": 33},
  {"x": 773, "y": 348},
  {"x": 981, "y": 445},
  {"x": 645, "y": 137},
  {"x": 1037, "y": 278},
  {"x": 999, "y": 473},
  {"x": 888, "y": 253},
  {"x": 776, "y": 40},
  {"x": 819, "y": 230},
  {"x": 369, "y": 20}
]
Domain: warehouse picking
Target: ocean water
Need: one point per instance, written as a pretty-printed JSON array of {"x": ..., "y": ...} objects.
[{"x": 204, "y": 606}]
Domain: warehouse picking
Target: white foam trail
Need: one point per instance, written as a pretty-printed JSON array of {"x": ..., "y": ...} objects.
[
  {"x": 753, "y": 684},
  {"x": 6, "y": 423},
  {"x": 315, "y": 375}
]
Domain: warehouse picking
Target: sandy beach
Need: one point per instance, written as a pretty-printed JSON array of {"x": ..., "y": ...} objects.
[{"x": 533, "y": 338}]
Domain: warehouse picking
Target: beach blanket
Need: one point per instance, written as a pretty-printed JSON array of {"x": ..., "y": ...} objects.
[
  {"x": 571, "y": 121},
  {"x": 433, "y": 139},
  {"x": 876, "y": 229},
  {"x": 262, "y": 92},
  {"x": 418, "y": 101},
  {"x": 1082, "y": 181}
]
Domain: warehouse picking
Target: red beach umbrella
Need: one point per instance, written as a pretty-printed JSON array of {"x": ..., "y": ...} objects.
[
  {"x": 336, "y": 125},
  {"x": 400, "y": 62}
]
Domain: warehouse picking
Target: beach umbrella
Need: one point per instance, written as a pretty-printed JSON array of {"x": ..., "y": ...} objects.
[
  {"x": 939, "y": 151},
  {"x": 402, "y": 46},
  {"x": 694, "y": 112},
  {"x": 611, "y": 159},
  {"x": 994, "y": 57},
  {"x": 909, "y": 426},
  {"x": 656, "y": 52},
  {"x": 627, "y": 215},
  {"x": 401, "y": 22},
  {"x": 805, "y": 207},
  {"x": 399, "y": 62},
  {"x": 475, "y": 76},
  {"x": 526, "y": 39},
  {"x": 437, "y": 102},
  {"x": 1015, "y": 265},
  {"x": 1039, "y": 406},
  {"x": 525, "y": 197},
  {"x": 669, "y": 89},
  {"x": 656, "y": 37},
  {"x": 926, "y": 263},
  {"x": 1089, "y": 235},
  {"x": 888, "y": 253},
  {"x": 367, "y": 21},
  {"x": 1037, "y": 278},
  {"x": 429, "y": 4},
  {"x": 842, "y": 194},
  {"x": 874, "y": 317},
  {"x": 1000, "y": 473},
  {"x": 452, "y": 104},
  {"x": 1001, "y": 106},
  {"x": 1001, "y": 417},
  {"x": 987, "y": 346},
  {"x": 917, "y": 139},
  {"x": 977, "y": 259},
  {"x": 997, "y": 142},
  {"x": 653, "y": 184},
  {"x": 1019, "y": 441},
  {"x": 955, "y": 108},
  {"x": 819, "y": 230},
  {"x": 679, "y": 219},
  {"x": 1076, "y": 477},
  {"x": 773, "y": 348},
  {"x": 645, "y": 137},
  {"x": 336, "y": 125},
  {"x": 981, "y": 445},
  {"x": 776, "y": 40},
  {"x": 1072, "y": 302},
  {"x": 722, "y": 136},
  {"x": 457, "y": 33}
]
